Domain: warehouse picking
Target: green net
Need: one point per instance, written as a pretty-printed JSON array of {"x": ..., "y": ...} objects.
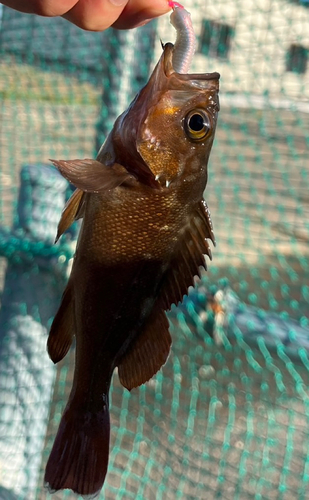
[{"x": 228, "y": 415}]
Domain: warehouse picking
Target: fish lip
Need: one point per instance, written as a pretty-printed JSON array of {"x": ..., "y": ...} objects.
[{"x": 185, "y": 77}]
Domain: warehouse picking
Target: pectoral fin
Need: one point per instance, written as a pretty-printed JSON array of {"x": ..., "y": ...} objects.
[
  {"x": 148, "y": 352},
  {"x": 72, "y": 211},
  {"x": 62, "y": 330},
  {"x": 92, "y": 176}
]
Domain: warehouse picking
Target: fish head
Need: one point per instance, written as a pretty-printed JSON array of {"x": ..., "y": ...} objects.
[
  {"x": 176, "y": 136},
  {"x": 169, "y": 128}
]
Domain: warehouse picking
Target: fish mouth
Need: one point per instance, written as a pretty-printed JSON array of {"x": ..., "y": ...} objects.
[{"x": 195, "y": 79}]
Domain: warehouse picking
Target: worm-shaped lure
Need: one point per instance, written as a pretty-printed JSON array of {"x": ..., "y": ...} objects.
[{"x": 184, "y": 47}]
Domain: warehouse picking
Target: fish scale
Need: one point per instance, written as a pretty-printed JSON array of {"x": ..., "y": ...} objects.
[{"x": 123, "y": 227}]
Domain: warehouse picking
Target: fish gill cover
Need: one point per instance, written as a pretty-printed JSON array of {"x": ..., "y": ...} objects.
[{"x": 228, "y": 414}]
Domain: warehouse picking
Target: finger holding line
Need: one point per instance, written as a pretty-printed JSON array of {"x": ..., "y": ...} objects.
[{"x": 95, "y": 15}]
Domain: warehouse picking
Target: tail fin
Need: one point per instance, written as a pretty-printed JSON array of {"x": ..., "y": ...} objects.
[{"x": 79, "y": 457}]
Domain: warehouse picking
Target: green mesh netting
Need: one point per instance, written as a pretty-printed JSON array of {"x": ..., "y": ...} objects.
[{"x": 228, "y": 415}]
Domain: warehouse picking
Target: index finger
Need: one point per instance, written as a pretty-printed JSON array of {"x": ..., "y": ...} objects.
[
  {"x": 98, "y": 15},
  {"x": 137, "y": 12}
]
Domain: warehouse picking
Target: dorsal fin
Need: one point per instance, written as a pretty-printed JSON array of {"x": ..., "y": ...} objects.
[
  {"x": 62, "y": 330},
  {"x": 150, "y": 349},
  {"x": 189, "y": 257},
  {"x": 72, "y": 211},
  {"x": 147, "y": 353}
]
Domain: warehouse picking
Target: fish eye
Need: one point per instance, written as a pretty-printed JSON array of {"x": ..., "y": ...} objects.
[{"x": 197, "y": 124}]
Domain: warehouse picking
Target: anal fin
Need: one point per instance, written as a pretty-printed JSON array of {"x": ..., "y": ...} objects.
[
  {"x": 148, "y": 353},
  {"x": 62, "y": 330}
]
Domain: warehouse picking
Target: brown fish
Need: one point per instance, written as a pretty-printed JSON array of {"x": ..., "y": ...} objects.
[{"x": 142, "y": 241}]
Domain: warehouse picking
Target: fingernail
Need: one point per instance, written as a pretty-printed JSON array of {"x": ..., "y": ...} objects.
[{"x": 118, "y": 3}]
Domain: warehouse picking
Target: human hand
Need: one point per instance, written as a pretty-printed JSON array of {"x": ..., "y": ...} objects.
[{"x": 95, "y": 15}]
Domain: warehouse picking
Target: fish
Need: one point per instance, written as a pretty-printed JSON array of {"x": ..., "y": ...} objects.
[{"x": 146, "y": 230}]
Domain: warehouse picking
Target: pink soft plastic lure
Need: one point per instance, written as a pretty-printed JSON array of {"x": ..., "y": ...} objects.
[{"x": 184, "y": 47}]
